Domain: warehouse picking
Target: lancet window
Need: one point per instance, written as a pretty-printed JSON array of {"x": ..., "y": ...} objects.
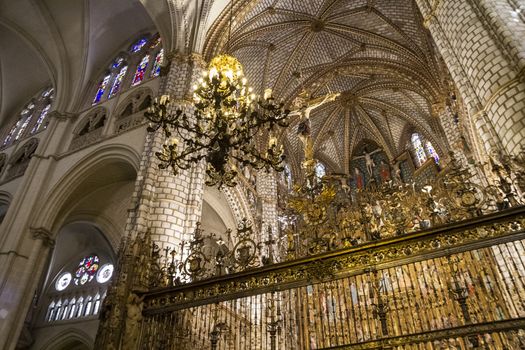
[
  {"x": 27, "y": 123},
  {"x": 130, "y": 68}
]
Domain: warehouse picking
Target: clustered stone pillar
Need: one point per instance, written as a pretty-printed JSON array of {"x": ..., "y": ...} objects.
[
  {"x": 169, "y": 205},
  {"x": 167, "y": 208},
  {"x": 481, "y": 58}
]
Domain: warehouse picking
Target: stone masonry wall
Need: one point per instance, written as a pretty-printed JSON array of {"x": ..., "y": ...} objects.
[
  {"x": 169, "y": 205},
  {"x": 488, "y": 79}
]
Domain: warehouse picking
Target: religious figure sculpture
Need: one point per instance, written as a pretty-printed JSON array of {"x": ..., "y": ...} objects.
[
  {"x": 396, "y": 173},
  {"x": 358, "y": 178},
  {"x": 384, "y": 171},
  {"x": 369, "y": 162},
  {"x": 304, "y": 107},
  {"x": 133, "y": 319}
]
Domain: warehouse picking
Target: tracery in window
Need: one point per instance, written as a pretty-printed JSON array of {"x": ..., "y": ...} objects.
[
  {"x": 419, "y": 151},
  {"x": 27, "y": 123},
  {"x": 320, "y": 170},
  {"x": 41, "y": 120},
  {"x": 63, "y": 281},
  {"x": 86, "y": 270},
  {"x": 27, "y": 114},
  {"x": 118, "y": 81},
  {"x": 432, "y": 151},
  {"x": 105, "y": 273},
  {"x": 101, "y": 89},
  {"x": 133, "y": 67},
  {"x": 48, "y": 93},
  {"x": 117, "y": 62},
  {"x": 11, "y": 132},
  {"x": 141, "y": 69},
  {"x": 156, "y": 42},
  {"x": 138, "y": 45},
  {"x": 155, "y": 71}
]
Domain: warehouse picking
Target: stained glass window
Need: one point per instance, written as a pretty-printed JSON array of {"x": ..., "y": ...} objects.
[
  {"x": 105, "y": 273},
  {"x": 63, "y": 281},
  {"x": 101, "y": 88},
  {"x": 287, "y": 175},
  {"x": 117, "y": 62},
  {"x": 48, "y": 93},
  {"x": 155, "y": 42},
  {"x": 41, "y": 119},
  {"x": 27, "y": 115},
  {"x": 87, "y": 268},
  {"x": 320, "y": 170},
  {"x": 138, "y": 45},
  {"x": 155, "y": 72},
  {"x": 432, "y": 152},
  {"x": 11, "y": 133},
  {"x": 118, "y": 81},
  {"x": 419, "y": 151},
  {"x": 141, "y": 69}
]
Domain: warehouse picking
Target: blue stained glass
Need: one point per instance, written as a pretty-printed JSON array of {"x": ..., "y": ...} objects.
[
  {"x": 117, "y": 62},
  {"x": 23, "y": 126},
  {"x": 11, "y": 133},
  {"x": 40, "y": 119},
  {"x": 141, "y": 69},
  {"x": 421, "y": 157},
  {"x": 101, "y": 89},
  {"x": 432, "y": 152},
  {"x": 118, "y": 81},
  {"x": 155, "y": 72},
  {"x": 48, "y": 93},
  {"x": 86, "y": 270},
  {"x": 139, "y": 45}
]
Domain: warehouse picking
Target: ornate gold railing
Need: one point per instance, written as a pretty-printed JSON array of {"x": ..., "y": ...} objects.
[
  {"x": 390, "y": 267},
  {"x": 462, "y": 285}
]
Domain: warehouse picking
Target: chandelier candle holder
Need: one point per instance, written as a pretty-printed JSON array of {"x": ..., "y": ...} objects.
[{"x": 228, "y": 120}]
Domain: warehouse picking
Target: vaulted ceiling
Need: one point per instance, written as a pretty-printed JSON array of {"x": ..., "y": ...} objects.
[{"x": 376, "y": 53}]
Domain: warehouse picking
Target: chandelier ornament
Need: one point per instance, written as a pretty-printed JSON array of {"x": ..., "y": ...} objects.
[{"x": 227, "y": 120}]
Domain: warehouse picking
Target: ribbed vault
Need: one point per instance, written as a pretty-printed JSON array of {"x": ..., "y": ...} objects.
[{"x": 376, "y": 53}]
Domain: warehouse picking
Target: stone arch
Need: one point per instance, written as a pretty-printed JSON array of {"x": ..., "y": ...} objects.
[
  {"x": 3, "y": 162},
  {"x": 89, "y": 128},
  {"x": 135, "y": 102},
  {"x": 128, "y": 112},
  {"x": 217, "y": 207},
  {"x": 5, "y": 200},
  {"x": 105, "y": 166},
  {"x": 69, "y": 339},
  {"x": 19, "y": 161}
]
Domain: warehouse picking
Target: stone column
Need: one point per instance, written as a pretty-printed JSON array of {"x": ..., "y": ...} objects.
[
  {"x": 169, "y": 205},
  {"x": 23, "y": 249},
  {"x": 484, "y": 71}
]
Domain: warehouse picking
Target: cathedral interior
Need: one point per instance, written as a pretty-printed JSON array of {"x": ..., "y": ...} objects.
[{"x": 262, "y": 174}]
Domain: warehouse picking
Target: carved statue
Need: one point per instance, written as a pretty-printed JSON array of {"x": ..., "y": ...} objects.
[
  {"x": 384, "y": 171},
  {"x": 304, "y": 105},
  {"x": 303, "y": 108},
  {"x": 133, "y": 319},
  {"x": 358, "y": 178},
  {"x": 369, "y": 162},
  {"x": 396, "y": 173}
]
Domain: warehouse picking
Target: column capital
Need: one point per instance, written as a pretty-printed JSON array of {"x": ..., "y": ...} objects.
[{"x": 44, "y": 235}]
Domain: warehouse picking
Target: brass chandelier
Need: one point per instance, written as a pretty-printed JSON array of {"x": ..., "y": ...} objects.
[{"x": 227, "y": 120}]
